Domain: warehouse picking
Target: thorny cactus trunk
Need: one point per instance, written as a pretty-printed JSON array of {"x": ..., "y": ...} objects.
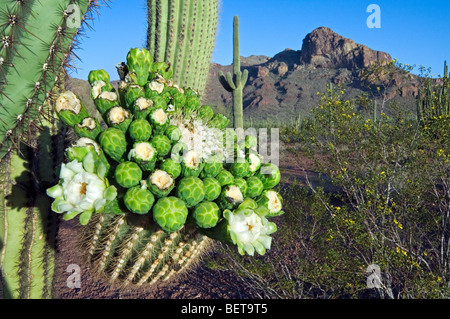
[
  {"x": 38, "y": 38},
  {"x": 182, "y": 33},
  {"x": 133, "y": 251}
]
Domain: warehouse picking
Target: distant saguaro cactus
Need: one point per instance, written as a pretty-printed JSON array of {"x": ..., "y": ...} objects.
[
  {"x": 435, "y": 101},
  {"x": 235, "y": 83},
  {"x": 182, "y": 33}
]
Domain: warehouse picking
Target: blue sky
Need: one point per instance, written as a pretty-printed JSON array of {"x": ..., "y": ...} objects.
[{"x": 413, "y": 31}]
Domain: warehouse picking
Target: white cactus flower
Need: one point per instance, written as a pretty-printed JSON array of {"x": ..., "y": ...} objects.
[
  {"x": 110, "y": 96},
  {"x": 97, "y": 88},
  {"x": 89, "y": 123},
  {"x": 159, "y": 116},
  {"x": 118, "y": 114},
  {"x": 79, "y": 191},
  {"x": 249, "y": 231},
  {"x": 68, "y": 101},
  {"x": 143, "y": 103},
  {"x": 156, "y": 86},
  {"x": 143, "y": 151}
]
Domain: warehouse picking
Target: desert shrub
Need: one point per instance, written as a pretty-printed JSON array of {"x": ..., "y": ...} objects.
[{"x": 392, "y": 209}]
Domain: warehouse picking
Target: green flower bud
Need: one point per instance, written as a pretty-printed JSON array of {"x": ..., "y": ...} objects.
[
  {"x": 119, "y": 118},
  {"x": 239, "y": 169},
  {"x": 161, "y": 183},
  {"x": 206, "y": 214},
  {"x": 140, "y": 130},
  {"x": 105, "y": 101},
  {"x": 191, "y": 190},
  {"x": 173, "y": 133},
  {"x": 162, "y": 145},
  {"x": 212, "y": 188},
  {"x": 205, "y": 113},
  {"x": 70, "y": 109},
  {"x": 163, "y": 69},
  {"x": 230, "y": 197},
  {"x": 213, "y": 166},
  {"x": 89, "y": 127},
  {"x": 272, "y": 201},
  {"x": 140, "y": 62},
  {"x": 269, "y": 174},
  {"x": 254, "y": 187},
  {"x": 145, "y": 154},
  {"x": 139, "y": 200},
  {"x": 219, "y": 121},
  {"x": 98, "y": 75},
  {"x": 128, "y": 174},
  {"x": 225, "y": 178},
  {"x": 133, "y": 93},
  {"x": 248, "y": 203},
  {"x": 251, "y": 142},
  {"x": 177, "y": 99},
  {"x": 170, "y": 213},
  {"x": 113, "y": 143},
  {"x": 172, "y": 167},
  {"x": 242, "y": 184},
  {"x": 191, "y": 106}
]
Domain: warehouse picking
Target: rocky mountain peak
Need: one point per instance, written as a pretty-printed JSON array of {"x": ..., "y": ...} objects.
[{"x": 323, "y": 48}]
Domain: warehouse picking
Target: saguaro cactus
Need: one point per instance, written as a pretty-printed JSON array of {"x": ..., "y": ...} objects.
[
  {"x": 148, "y": 192},
  {"x": 38, "y": 38},
  {"x": 182, "y": 33},
  {"x": 434, "y": 101},
  {"x": 235, "y": 83}
]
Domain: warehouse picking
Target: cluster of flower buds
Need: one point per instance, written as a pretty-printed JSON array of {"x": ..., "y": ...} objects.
[{"x": 157, "y": 152}]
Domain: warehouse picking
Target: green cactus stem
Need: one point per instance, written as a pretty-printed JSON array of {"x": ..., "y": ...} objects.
[
  {"x": 38, "y": 41},
  {"x": 182, "y": 34},
  {"x": 235, "y": 83},
  {"x": 27, "y": 226}
]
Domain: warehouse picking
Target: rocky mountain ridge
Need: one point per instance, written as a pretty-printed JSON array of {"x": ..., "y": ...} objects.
[
  {"x": 281, "y": 87},
  {"x": 285, "y": 85}
]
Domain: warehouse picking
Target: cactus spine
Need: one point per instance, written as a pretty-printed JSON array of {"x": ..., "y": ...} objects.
[
  {"x": 182, "y": 33},
  {"x": 235, "y": 83},
  {"x": 38, "y": 38}
]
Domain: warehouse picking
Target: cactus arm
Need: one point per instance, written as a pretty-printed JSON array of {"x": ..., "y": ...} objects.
[{"x": 236, "y": 83}]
